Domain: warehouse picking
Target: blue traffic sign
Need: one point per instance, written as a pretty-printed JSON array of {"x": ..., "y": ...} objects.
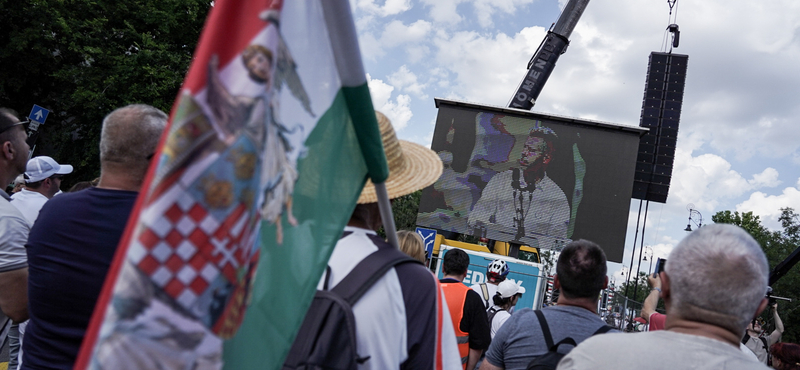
[
  {"x": 428, "y": 238},
  {"x": 38, "y": 114}
]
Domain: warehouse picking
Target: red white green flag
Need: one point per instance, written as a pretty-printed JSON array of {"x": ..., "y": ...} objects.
[{"x": 269, "y": 144}]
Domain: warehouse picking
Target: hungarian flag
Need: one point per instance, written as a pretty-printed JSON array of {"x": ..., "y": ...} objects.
[{"x": 269, "y": 143}]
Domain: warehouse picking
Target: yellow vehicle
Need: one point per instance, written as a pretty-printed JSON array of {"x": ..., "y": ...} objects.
[{"x": 525, "y": 252}]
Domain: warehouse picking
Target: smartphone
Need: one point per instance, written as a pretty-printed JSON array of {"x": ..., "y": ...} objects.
[{"x": 659, "y": 266}]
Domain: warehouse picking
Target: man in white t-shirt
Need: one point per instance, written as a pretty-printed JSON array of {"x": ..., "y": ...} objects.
[
  {"x": 43, "y": 180},
  {"x": 402, "y": 321}
]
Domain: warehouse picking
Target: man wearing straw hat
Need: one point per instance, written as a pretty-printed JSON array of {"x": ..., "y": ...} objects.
[{"x": 402, "y": 319}]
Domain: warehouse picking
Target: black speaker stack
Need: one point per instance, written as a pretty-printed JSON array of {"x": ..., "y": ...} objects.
[{"x": 661, "y": 113}]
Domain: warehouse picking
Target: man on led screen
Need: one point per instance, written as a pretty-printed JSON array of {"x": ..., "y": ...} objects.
[{"x": 523, "y": 200}]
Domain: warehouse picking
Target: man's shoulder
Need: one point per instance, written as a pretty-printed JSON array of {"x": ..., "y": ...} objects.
[
  {"x": 9, "y": 211},
  {"x": 87, "y": 197},
  {"x": 357, "y": 244},
  {"x": 610, "y": 349}
]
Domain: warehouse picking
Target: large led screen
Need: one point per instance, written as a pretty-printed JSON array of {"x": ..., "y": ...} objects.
[{"x": 536, "y": 179}]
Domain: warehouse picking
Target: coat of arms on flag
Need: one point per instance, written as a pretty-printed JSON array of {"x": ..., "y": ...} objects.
[{"x": 257, "y": 175}]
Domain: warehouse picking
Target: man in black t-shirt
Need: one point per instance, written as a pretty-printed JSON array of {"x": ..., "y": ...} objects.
[{"x": 72, "y": 244}]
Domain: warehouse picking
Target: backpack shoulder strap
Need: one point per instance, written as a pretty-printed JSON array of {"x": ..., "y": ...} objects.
[
  {"x": 745, "y": 338},
  {"x": 368, "y": 271},
  {"x": 548, "y": 338},
  {"x": 764, "y": 341},
  {"x": 486, "y": 297},
  {"x": 491, "y": 314}
]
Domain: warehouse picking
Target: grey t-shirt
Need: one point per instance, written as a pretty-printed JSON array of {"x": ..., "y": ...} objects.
[
  {"x": 657, "y": 350},
  {"x": 520, "y": 339},
  {"x": 14, "y": 231}
]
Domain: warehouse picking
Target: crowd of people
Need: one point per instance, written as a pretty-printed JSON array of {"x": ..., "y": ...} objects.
[{"x": 55, "y": 251}]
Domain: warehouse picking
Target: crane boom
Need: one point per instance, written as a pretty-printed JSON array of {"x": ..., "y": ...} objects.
[{"x": 544, "y": 60}]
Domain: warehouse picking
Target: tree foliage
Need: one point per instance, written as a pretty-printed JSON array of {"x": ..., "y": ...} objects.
[
  {"x": 777, "y": 245},
  {"x": 81, "y": 59},
  {"x": 405, "y": 210},
  {"x": 634, "y": 292}
]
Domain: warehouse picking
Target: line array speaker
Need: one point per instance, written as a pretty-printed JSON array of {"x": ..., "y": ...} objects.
[{"x": 661, "y": 113}]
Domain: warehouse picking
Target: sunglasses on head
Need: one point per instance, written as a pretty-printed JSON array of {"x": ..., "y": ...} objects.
[{"x": 23, "y": 123}]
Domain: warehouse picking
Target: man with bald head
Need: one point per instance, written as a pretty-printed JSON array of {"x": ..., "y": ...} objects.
[
  {"x": 72, "y": 244},
  {"x": 714, "y": 284}
]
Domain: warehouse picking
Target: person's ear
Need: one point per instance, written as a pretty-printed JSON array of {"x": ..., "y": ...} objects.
[
  {"x": 8, "y": 150},
  {"x": 605, "y": 283},
  {"x": 556, "y": 282}
]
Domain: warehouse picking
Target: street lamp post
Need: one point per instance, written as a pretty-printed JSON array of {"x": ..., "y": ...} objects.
[
  {"x": 694, "y": 218},
  {"x": 649, "y": 270}
]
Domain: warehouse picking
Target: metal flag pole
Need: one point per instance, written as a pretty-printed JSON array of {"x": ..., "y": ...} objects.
[{"x": 386, "y": 214}]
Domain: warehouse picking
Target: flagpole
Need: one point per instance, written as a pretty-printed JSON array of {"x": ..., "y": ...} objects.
[{"x": 386, "y": 214}]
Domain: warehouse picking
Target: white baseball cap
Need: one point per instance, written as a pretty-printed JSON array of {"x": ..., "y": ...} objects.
[
  {"x": 508, "y": 288},
  {"x": 42, "y": 167}
]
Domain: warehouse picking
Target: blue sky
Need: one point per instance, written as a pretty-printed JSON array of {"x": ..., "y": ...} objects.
[{"x": 737, "y": 146}]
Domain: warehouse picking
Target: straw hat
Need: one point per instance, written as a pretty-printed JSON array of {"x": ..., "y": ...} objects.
[{"x": 411, "y": 166}]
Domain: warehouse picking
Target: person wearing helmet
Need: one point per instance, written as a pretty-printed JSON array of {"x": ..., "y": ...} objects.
[{"x": 496, "y": 272}]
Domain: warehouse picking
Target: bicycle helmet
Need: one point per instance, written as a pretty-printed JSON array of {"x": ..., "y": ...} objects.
[{"x": 497, "y": 271}]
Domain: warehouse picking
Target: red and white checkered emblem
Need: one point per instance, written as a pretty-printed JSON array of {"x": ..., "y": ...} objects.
[{"x": 187, "y": 248}]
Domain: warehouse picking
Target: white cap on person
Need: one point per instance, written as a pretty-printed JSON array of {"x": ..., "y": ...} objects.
[{"x": 42, "y": 167}]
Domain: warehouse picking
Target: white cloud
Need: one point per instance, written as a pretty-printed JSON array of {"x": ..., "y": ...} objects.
[
  {"x": 390, "y": 7},
  {"x": 444, "y": 10},
  {"x": 768, "y": 207},
  {"x": 768, "y": 178},
  {"x": 487, "y": 68},
  {"x": 405, "y": 80},
  {"x": 485, "y": 9},
  {"x": 397, "y": 33},
  {"x": 708, "y": 179},
  {"x": 398, "y": 111},
  {"x": 371, "y": 48}
]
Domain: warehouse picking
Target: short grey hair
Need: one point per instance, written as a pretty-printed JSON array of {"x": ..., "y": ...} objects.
[
  {"x": 717, "y": 275},
  {"x": 130, "y": 134}
]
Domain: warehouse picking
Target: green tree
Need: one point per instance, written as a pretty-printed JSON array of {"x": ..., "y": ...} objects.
[
  {"x": 83, "y": 58},
  {"x": 405, "y": 210},
  {"x": 777, "y": 245},
  {"x": 634, "y": 292}
]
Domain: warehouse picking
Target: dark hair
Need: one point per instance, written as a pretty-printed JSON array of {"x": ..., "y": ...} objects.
[
  {"x": 549, "y": 141},
  {"x": 34, "y": 185},
  {"x": 456, "y": 262},
  {"x": 8, "y": 117},
  {"x": 788, "y": 353},
  {"x": 368, "y": 214},
  {"x": 581, "y": 269},
  {"x": 500, "y": 301}
]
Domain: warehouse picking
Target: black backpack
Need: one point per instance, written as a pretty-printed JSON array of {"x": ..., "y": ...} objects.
[
  {"x": 492, "y": 312},
  {"x": 327, "y": 337},
  {"x": 549, "y": 360}
]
